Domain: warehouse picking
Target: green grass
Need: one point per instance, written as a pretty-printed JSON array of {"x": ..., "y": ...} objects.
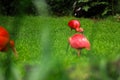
[{"x": 37, "y": 38}]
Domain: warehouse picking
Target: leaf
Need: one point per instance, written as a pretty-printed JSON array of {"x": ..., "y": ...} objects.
[
  {"x": 99, "y": 3},
  {"x": 83, "y": 1},
  {"x": 85, "y": 8},
  {"x": 105, "y": 11}
]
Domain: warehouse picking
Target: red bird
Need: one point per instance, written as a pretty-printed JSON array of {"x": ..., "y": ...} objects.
[
  {"x": 5, "y": 41},
  {"x": 75, "y": 24},
  {"x": 79, "y": 41}
]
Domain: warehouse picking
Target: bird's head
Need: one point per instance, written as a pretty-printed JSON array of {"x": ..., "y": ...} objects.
[{"x": 75, "y": 24}]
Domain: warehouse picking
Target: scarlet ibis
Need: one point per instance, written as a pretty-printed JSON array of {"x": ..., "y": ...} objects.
[
  {"x": 79, "y": 41},
  {"x": 6, "y": 42},
  {"x": 75, "y": 24}
]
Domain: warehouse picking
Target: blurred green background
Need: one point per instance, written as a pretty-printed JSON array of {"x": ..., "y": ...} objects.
[{"x": 41, "y": 34}]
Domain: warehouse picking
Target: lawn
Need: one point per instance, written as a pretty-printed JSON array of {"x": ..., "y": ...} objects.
[{"x": 44, "y": 41}]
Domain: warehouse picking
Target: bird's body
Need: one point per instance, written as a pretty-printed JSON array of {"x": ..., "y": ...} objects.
[
  {"x": 5, "y": 41},
  {"x": 4, "y": 38},
  {"x": 75, "y": 24},
  {"x": 79, "y": 41}
]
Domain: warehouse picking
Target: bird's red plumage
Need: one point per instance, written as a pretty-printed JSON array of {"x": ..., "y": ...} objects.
[
  {"x": 5, "y": 41},
  {"x": 4, "y": 38},
  {"x": 79, "y": 41},
  {"x": 75, "y": 24}
]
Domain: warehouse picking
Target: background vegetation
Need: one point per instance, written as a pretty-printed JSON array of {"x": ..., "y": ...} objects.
[
  {"x": 89, "y": 8},
  {"x": 43, "y": 50},
  {"x": 41, "y": 38}
]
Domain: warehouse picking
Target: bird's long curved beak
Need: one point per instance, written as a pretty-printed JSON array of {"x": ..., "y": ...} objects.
[
  {"x": 15, "y": 51},
  {"x": 12, "y": 45},
  {"x": 80, "y": 30}
]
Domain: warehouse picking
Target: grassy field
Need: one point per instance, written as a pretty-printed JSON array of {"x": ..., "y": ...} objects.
[{"x": 44, "y": 41}]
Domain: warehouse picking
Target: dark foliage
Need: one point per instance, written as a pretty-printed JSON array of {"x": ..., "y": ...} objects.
[
  {"x": 89, "y": 11},
  {"x": 78, "y": 8},
  {"x": 17, "y": 7},
  {"x": 96, "y": 8},
  {"x": 60, "y": 7}
]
